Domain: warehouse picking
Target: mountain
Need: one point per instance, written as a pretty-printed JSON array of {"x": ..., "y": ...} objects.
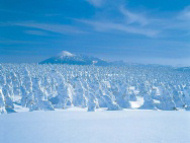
[
  {"x": 118, "y": 63},
  {"x": 66, "y": 57},
  {"x": 183, "y": 69}
]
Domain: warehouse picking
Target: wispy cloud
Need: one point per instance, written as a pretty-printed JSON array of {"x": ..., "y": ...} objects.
[
  {"x": 180, "y": 22},
  {"x": 36, "y": 32},
  {"x": 9, "y": 42},
  {"x": 116, "y": 17},
  {"x": 185, "y": 14},
  {"x": 21, "y": 13},
  {"x": 134, "y": 17},
  {"x": 141, "y": 23},
  {"x": 14, "y": 12},
  {"x": 110, "y": 26},
  {"x": 56, "y": 28},
  {"x": 52, "y": 14},
  {"x": 96, "y": 3}
]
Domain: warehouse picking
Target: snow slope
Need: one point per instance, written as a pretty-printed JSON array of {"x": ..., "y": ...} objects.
[{"x": 95, "y": 127}]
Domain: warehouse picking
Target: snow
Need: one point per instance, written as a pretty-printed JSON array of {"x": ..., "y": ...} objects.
[
  {"x": 130, "y": 104},
  {"x": 79, "y": 126},
  {"x": 138, "y": 103},
  {"x": 32, "y": 87},
  {"x": 68, "y": 58},
  {"x": 65, "y": 54}
]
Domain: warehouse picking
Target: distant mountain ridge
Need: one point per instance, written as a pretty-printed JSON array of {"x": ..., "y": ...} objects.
[
  {"x": 66, "y": 57},
  {"x": 183, "y": 69}
]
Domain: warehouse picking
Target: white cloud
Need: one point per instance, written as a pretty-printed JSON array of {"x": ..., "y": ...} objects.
[
  {"x": 122, "y": 20},
  {"x": 96, "y": 3},
  {"x": 36, "y": 32},
  {"x": 179, "y": 22},
  {"x": 56, "y": 28},
  {"x": 174, "y": 25},
  {"x": 107, "y": 26},
  {"x": 134, "y": 17},
  {"x": 185, "y": 14},
  {"x": 9, "y": 42}
]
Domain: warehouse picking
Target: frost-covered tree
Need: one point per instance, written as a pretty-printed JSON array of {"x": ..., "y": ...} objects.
[
  {"x": 2, "y": 103},
  {"x": 79, "y": 97},
  {"x": 40, "y": 101},
  {"x": 64, "y": 91}
]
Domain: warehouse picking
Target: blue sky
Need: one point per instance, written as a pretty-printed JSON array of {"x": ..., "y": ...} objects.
[{"x": 145, "y": 31}]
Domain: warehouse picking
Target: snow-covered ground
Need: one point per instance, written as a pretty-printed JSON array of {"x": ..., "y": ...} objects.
[
  {"x": 71, "y": 126},
  {"x": 151, "y": 104}
]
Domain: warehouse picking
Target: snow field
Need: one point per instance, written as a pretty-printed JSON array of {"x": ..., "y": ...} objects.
[{"x": 95, "y": 127}]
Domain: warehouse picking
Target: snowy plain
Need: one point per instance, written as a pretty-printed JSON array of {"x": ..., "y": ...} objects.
[{"x": 80, "y": 126}]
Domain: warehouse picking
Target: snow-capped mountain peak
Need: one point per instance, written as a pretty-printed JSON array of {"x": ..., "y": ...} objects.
[
  {"x": 66, "y": 57},
  {"x": 65, "y": 54}
]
